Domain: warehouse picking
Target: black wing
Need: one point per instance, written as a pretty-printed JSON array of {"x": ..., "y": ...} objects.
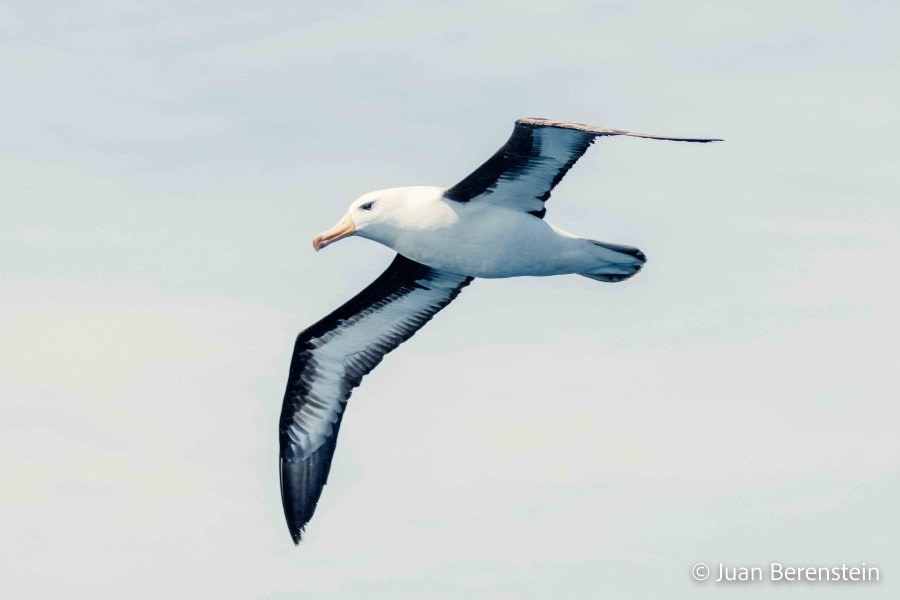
[
  {"x": 536, "y": 157},
  {"x": 331, "y": 358}
]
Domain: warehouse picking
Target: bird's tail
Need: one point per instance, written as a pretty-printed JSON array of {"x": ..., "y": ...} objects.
[{"x": 615, "y": 262}]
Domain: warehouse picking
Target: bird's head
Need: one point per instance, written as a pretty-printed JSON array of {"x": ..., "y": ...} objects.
[{"x": 375, "y": 215}]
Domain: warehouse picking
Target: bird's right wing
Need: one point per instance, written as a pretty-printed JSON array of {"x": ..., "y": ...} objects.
[
  {"x": 331, "y": 358},
  {"x": 535, "y": 158}
]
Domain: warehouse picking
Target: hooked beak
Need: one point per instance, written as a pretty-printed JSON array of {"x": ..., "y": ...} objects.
[{"x": 344, "y": 228}]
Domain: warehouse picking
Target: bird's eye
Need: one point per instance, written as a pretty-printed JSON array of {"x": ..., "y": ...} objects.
[{"x": 367, "y": 205}]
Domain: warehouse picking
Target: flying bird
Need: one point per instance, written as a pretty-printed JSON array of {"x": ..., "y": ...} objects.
[{"x": 488, "y": 225}]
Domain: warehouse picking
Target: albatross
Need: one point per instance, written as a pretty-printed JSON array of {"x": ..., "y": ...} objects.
[{"x": 488, "y": 225}]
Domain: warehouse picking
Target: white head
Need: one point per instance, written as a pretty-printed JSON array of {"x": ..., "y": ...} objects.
[{"x": 376, "y": 215}]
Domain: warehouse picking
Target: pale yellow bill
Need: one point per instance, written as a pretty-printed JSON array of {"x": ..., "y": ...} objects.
[{"x": 344, "y": 228}]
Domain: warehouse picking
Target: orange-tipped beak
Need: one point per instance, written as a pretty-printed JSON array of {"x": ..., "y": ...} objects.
[{"x": 344, "y": 228}]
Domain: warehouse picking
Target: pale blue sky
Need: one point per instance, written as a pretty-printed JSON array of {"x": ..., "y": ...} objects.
[{"x": 164, "y": 167}]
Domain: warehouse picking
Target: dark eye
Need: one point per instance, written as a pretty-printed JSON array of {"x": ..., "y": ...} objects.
[{"x": 367, "y": 205}]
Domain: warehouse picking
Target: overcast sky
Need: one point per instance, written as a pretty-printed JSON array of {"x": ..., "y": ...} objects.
[{"x": 164, "y": 167}]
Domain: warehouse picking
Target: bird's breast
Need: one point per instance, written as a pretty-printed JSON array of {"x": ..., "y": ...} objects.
[{"x": 485, "y": 241}]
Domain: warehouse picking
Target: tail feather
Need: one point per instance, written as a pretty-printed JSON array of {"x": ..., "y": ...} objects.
[{"x": 615, "y": 262}]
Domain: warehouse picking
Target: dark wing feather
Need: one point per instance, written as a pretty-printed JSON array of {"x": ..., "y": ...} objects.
[
  {"x": 331, "y": 358},
  {"x": 536, "y": 157}
]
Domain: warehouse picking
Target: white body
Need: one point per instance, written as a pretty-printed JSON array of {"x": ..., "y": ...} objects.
[{"x": 480, "y": 239}]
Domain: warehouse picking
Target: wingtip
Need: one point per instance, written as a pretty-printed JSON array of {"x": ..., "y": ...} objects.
[
  {"x": 541, "y": 122},
  {"x": 297, "y": 536},
  {"x": 296, "y": 530}
]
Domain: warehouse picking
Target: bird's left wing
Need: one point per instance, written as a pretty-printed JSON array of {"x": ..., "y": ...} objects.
[
  {"x": 538, "y": 154},
  {"x": 331, "y": 358}
]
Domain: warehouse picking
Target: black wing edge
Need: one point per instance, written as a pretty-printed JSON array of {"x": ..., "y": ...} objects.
[
  {"x": 537, "y": 122},
  {"x": 302, "y": 481},
  {"x": 516, "y": 153}
]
